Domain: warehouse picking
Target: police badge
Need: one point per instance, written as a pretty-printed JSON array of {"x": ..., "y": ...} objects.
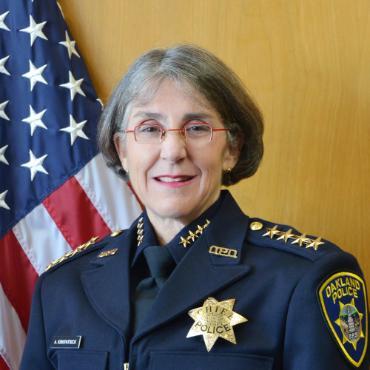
[
  {"x": 344, "y": 306},
  {"x": 215, "y": 319}
]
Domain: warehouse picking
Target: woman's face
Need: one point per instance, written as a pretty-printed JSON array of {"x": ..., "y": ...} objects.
[{"x": 175, "y": 179}]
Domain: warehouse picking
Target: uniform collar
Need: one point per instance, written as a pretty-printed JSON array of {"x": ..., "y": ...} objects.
[
  {"x": 184, "y": 239},
  {"x": 205, "y": 269},
  {"x": 216, "y": 260}
]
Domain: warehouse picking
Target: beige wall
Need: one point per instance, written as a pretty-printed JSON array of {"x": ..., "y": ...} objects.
[{"x": 306, "y": 62}]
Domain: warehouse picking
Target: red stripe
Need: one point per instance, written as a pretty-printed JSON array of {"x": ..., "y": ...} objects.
[
  {"x": 74, "y": 214},
  {"x": 17, "y": 276},
  {"x": 3, "y": 365}
]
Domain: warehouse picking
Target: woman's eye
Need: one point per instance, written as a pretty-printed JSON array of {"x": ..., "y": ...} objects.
[
  {"x": 197, "y": 128},
  {"x": 148, "y": 128}
]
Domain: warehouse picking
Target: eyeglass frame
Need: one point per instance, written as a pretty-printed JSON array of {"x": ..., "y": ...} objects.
[{"x": 181, "y": 130}]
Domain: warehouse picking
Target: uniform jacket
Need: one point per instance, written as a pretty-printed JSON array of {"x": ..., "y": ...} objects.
[{"x": 290, "y": 290}]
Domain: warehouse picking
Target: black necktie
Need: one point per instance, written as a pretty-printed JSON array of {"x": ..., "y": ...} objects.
[{"x": 160, "y": 264}]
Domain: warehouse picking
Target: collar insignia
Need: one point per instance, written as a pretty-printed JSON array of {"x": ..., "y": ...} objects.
[
  {"x": 140, "y": 231},
  {"x": 109, "y": 252},
  {"x": 193, "y": 235},
  {"x": 213, "y": 320},
  {"x": 343, "y": 303},
  {"x": 223, "y": 251},
  {"x": 184, "y": 241}
]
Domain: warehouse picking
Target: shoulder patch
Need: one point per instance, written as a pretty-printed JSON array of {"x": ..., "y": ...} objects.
[
  {"x": 344, "y": 306},
  {"x": 72, "y": 253}
]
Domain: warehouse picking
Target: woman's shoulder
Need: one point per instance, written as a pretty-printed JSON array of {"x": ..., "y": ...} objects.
[
  {"x": 94, "y": 247},
  {"x": 288, "y": 239}
]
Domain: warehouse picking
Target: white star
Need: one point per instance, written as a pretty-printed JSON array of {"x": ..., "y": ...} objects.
[
  {"x": 34, "y": 120},
  {"x": 35, "y": 165},
  {"x": 2, "y": 66},
  {"x": 2, "y": 110},
  {"x": 60, "y": 8},
  {"x": 100, "y": 102},
  {"x": 3, "y": 26},
  {"x": 35, "y": 75},
  {"x": 70, "y": 45},
  {"x": 35, "y": 30},
  {"x": 2, "y": 200},
  {"x": 75, "y": 129},
  {"x": 2, "y": 154},
  {"x": 74, "y": 86}
]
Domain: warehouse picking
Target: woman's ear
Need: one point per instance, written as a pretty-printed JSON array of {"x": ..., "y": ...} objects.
[
  {"x": 120, "y": 149},
  {"x": 231, "y": 157}
]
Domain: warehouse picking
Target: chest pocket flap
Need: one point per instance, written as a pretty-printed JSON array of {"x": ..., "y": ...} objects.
[
  {"x": 81, "y": 360},
  {"x": 200, "y": 361}
]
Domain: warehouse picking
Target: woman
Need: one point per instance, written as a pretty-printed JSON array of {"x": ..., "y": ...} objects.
[{"x": 194, "y": 283}]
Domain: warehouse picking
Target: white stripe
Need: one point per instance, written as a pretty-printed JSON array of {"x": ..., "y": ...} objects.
[
  {"x": 109, "y": 194},
  {"x": 40, "y": 238},
  {"x": 12, "y": 335}
]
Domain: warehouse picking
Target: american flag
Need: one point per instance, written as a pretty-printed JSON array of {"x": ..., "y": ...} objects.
[{"x": 55, "y": 190}]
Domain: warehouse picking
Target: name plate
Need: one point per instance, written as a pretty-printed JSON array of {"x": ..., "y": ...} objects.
[{"x": 72, "y": 342}]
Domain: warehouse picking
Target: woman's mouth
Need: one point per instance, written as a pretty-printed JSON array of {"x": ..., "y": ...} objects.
[{"x": 174, "y": 181}]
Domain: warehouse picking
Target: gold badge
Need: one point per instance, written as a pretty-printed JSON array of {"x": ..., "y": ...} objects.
[{"x": 213, "y": 320}]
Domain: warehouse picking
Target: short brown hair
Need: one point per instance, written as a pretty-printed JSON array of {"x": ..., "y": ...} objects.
[{"x": 208, "y": 75}]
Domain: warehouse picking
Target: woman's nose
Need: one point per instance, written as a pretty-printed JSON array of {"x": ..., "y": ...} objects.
[{"x": 173, "y": 146}]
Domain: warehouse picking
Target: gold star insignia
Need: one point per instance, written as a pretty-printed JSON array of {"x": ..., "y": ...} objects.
[
  {"x": 184, "y": 242},
  {"x": 286, "y": 235},
  {"x": 192, "y": 236},
  {"x": 214, "y": 320},
  {"x": 300, "y": 240},
  {"x": 271, "y": 232},
  {"x": 315, "y": 244},
  {"x": 350, "y": 323},
  {"x": 199, "y": 230},
  {"x": 116, "y": 233}
]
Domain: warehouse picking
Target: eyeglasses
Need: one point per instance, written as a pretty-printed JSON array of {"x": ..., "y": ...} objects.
[{"x": 194, "y": 133}]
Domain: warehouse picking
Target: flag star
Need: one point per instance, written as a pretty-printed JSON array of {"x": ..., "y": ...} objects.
[
  {"x": 35, "y": 165},
  {"x": 3, "y": 26},
  {"x": 75, "y": 129},
  {"x": 2, "y": 66},
  {"x": 70, "y": 45},
  {"x": 100, "y": 102},
  {"x": 74, "y": 86},
  {"x": 2, "y": 200},
  {"x": 35, "y": 75},
  {"x": 2, "y": 154},
  {"x": 2, "y": 110},
  {"x": 35, "y": 30},
  {"x": 34, "y": 120},
  {"x": 60, "y": 8}
]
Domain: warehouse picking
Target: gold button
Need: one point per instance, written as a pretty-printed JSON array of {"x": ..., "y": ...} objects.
[{"x": 256, "y": 225}]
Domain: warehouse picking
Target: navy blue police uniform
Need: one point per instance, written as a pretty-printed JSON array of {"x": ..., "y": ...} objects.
[{"x": 244, "y": 294}]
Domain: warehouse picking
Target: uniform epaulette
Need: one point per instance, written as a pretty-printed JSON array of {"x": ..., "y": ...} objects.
[
  {"x": 264, "y": 233},
  {"x": 81, "y": 248},
  {"x": 72, "y": 253}
]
